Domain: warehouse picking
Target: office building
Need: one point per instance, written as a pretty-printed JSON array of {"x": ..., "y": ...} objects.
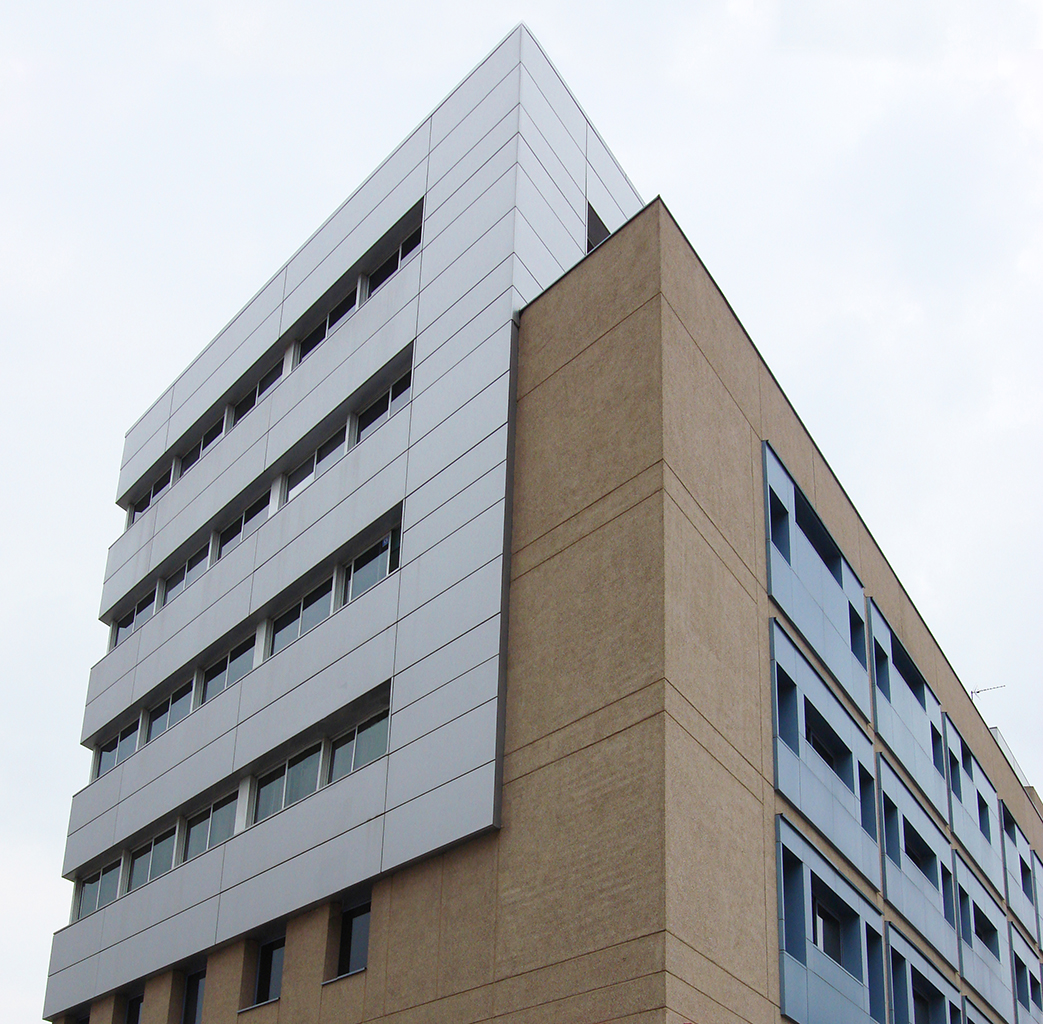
[{"x": 491, "y": 641}]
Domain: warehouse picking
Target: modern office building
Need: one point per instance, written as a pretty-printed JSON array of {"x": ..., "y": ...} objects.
[{"x": 489, "y": 640}]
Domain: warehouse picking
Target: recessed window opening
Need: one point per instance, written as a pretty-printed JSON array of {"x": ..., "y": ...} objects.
[
  {"x": 98, "y": 890},
  {"x": 303, "y": 616},
  {"x": 948, "y": 900},
  {"x": 133, "y": 1014},
  {"x": 290, "y": 782},
  {"x": 373, "y": 565},
  {"x": 986, "y": 931},
  {"x": 778, "y": 520},
  {"x": 151, "y": 860},
  {"x": 835, "y": 928},
  {"x": 1021, "y": 981},
  {"x": 393, "y": 262},
  {"x": 201, "y": 446},
  {"x": 857, "y": 630},
  {"x": 909, "y": 672},
  {"x": 867, "y": 801},
  {"x": 382, "y": 408},
  {"x": 786, "y": 691},
  {"x": 793, "y": 906},
  {"x": 170, "y": 711},
  {"x": 243, "y": 526},
  {"x": 1035, "y": 992},
  {"x": 596, "y": 230},
  {"x": 195, "y": 986},
  {"x": 354, "y": 940},
  {"x": 134, "y": 619},
  {"x": 315, "y": 464},
  {"x": 983, "y": 818},
  {"x": 937, "y": 751},
  {"x": 269, "y": 971},
  {"x": 928, "y": 1002},
  {"x": 228, "y": 669},
  {"x": 185, "y": 575},
  {"x": 966, "y": 923},
  {"x": 264, "y": 385},
  {"x": 921, "y": 854},
  {"x": 968, "y": 760},
  {"x": 359, "y": 747},
  {"x": 818, "y": 536},
  {"x": 826, "y": 931},
  {"x": 1026, "y": 879},
  {"x": 954, "y": 777},
  {"x": 118, "y": 749},
  {"x": 159, "y": 485},
  {"x": 875, "y": 965},
  {"x": 883, "y": 679},
  {"x": 209, "y": 828},
  {"x": 900, "y": 988},
  {"x": 828, "y": 745},
  {"x": 892, "y": 826},
  {"x": 1010, "y": 826}
]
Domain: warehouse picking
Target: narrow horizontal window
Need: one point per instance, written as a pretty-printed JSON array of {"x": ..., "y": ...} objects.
[
  {"x": 395, "y": 398},
  {"x": 818, "y": 536},
  {"x": 228, "y": 670},
  {"x": 342, "y": 309},
  {"x": 383, "y": 272}
]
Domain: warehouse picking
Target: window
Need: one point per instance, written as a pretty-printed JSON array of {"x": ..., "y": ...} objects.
[
  {"x": 133, "y": 1015},
  {"x": 196, "y": 451},
  {"x": 921, "y": 854},
  {"x": 287, "y": 784},
  {"x": 937, "y": 751},
  {"x": 883, "y": 678},
  {"x": 826, "y": 933},
  {"x": 948, "y": 901},
  {"x": 302, "y": 616},
  {"x": 134, "y": 619},
  {"x": 789, "y": 728},
  {"x": 983, "y": 818},
  {"x": 315, "y": 464},
  {"x": 875, "y": 965},
  {"x": 170, "y": 712},
  {"x": 857, "y": 630},
  {"x": 354, "y": 940},
  {"x": 393, "y": 262},
  {"x": 229, "y": 669},
  {"x": 372, "y": 566},
  {"x": 1035, "y": 992},
  {"x": 185, "y": 575},
  {"x": 968, "y": 759},
  {"x": 867, "y": 801},
  {"x": 383, "y": 408},
  {"x": 818, "y": 536},
  {"x": 119, "y": 748},
  {"x": 1026, "y": 879},
  {"x": 151, "y": 860},
  {"x": 210, "y": 827},
  {"x": 828, "y": 745},
  {"x": 359, "y": 747},
  {"x": 891, "y": 834},
  {"x": 954, "y": 777},
  {"x": 244, "y": 525},
  {"x": 778, "y": 523},
  {"x": 266, "y": 383},
  {"x": 195, "y": 985},
  {"x": 98, "y": 890},
  {"x": 159, "y": 485},
  {"x": 921, "y": 1008},
  {"x": 596, "y": 230},
  {"x": 1021, "y": 981},
  {"x": 793, "y": 906},
  {"x": 269, "y": 971},
  {"x": 986, "y": 931}
]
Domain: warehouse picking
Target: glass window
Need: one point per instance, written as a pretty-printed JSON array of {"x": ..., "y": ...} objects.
[
  {"x": 214, "y": 679},
  {"x": 144, "y": 610},
  {"x": 195, "y": 985},
  {"x": 157, "y": 720},
  {"x": 134, "y": 1010},
  {"x": 107, "y": 756},
  {"x": 162, "y": 855},
  {"x": 329, "y": 451},
  {"x": 269, "y": 379},
  {"x": 369, "y": 568},
  {"x": 240, "y": 661},
  {"x": 180, "y": 704},
  {"x": 269, "y": 971},
  {"x": 174, "y": 585},
  {"x": 139, "y": 863},
  {"x": 371, "y": 417},
  {"x": 196, "y": 565},
  {"x": 302, "y": 776},
  {"x": 343, "y": 308},
  {"x": 269, "y": 794},
  {"x": 255, "y": 515},
  {"x": 243, "y": 406},
  {"x": 383, "y": 272},
  {"x": 286, "y": 629},
  {"x": 128, "y": 742},
  {"x": 311, "y": 342},
  {"x": 213, "y": 434},
  {"x": 400, "y": 394},
  {"x": 354, "y": 940},
  {"x": 191, "y": 457},
  {"x": 222, "y": 820},
  {"x": 197, "y": 834},
  {"x": 124, "y": 627},
  {"x": 109, "y": 885},
  {"x": 303, "y": 475},
  {"x": 343, "y": 751},
  {"x": 88, "y": 896},
  {"x": 410, "y": 243},
  {"x": 229, "y": 538},
  {"x": 372, "y": 740},
  {"x": 316, "y": 606}
]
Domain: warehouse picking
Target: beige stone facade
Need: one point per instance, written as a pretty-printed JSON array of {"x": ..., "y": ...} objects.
[{"x": 634, "y": 876}]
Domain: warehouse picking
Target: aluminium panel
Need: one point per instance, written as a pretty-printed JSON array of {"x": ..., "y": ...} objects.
[
  {"x": 564, "y": 245},
  {"x": 533, "y": 254},
  {"x": 568, "y": 205},
  {"x": 534, "y": 142},
  {"x": 486, "y": 178},
  {"x": 611, "y": 175},
  {"x": 601, "y": 199},
  {"x": 550, "y": 126},
  {"x": 149, "y": 430},
  {"x": 554, "y": 89}
]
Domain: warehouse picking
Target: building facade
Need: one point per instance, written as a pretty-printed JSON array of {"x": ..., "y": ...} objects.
[{"x": 489, "y": 640}]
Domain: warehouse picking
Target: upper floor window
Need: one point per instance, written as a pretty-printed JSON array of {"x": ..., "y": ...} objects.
[
  {"x": 359, "y": 747},
  {"x": 304, "y": 615},
  {"x": 151, "y": 860},
  {"x": 117, "y": 749},
  {"x": 167, "y": 714},
  {"x": 241, "y": 528},
  {"x": 185, "y": 575},
  {"x": 201, "y": 446},
  {"x": 395, "y": 398},
  {"x": 99, "y": 890},
  {"x": 372, "y": 565},
  {"x": 159, "y": 485},
  {"x": 287, "y": 784},
  {"x": 228, "y": 669},
  {"x": 315, "y": 464},
  {"x": 205, "y": 830},
  {"x": 134, "y": 619},
  {"x": 264, "y": 385},
  {"x": 354, "y": 940},
  {"x": 269, "y": 971}
]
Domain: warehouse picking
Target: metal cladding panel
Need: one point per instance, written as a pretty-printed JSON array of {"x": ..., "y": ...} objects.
[
  {"x": 611, "y": 175},
  {"x": 429, "y": 637}
]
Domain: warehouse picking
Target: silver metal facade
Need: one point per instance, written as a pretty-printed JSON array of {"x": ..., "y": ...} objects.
[{"x": 504, "y": 169}]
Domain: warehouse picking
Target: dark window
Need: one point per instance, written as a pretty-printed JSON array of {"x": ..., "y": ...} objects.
[
  {"x": 778, "y": 523},
  {"x": 921, "y": 854},
  {"x": 827, "y": 744},
  {"x": 343, "y": 308},
  {"x": 883, "y": 679},
  {"x": 135, "y": 618},
  {"x": 986, "y": 931},
  {"x": 983, "y": 818},
  {"x": 1035, "y": 993},
  {"x": 268, "y": 381},
  {"x": 128, "y": 742},
  {"x": 195, "y": 984},
  {"x": 966, "y": 925},
  {"x": 818, "y": 536},
  {"x": 118, "y": 749},
  {"x": 243, "y": 406},
  {"x": 1026, "y": 879},
  {"x": 354, "y": 940},
  {"x": 133, "y": 1015},
  {"x": 858, "y": 635},
  {"x": 302, "y": 776},
  {"x": 954, "y": 777},
  {"x": 1010, "y": 826},
  {"x": 230, "y": 537},
  {"x": 948, "y": 900},
  {"x": 789, "y": 727},
  {"x": 107, "y": 756},
  {"x": 399, "y": 394},
  {"x": 937, "y": 751},
  {"x": 892, "y": 839},
  {"x": 240, "y": 661},
  {"x": 793, "y": 906},
  {"x": 299, "y": 478},
  {"x": 867, "y": 800},
  {"x": 909, "y": 672},
  {"x": 270, "y": 794},
  {"x": 359, "y": 747},
  {"x": 826, "y": 933},
  {"x": 371, "y": 417},
  {"x": 328, "y": 451},
  {"x": 410, "y": 243},
  {"x": 596, "y": 230},
  {"x": 269, "y": 971},
  {"x": 286, "y": 629},
  {"x": 373, "y": 565},
  {"x": 152, "y": 860},
  {"x": 875, "y": 956},
  {"x": 968, "y": 759},
  {"x": 383, "y": 272},
  {"x": 200, "y": 448},
  {"x": 1021, "y": 981},
  {"x": 921, "y": 1009}
]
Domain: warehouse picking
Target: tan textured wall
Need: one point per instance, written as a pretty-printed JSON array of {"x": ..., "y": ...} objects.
[{"x": 634, "y": 876}]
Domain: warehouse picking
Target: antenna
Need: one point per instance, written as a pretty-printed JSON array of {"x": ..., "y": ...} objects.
[{"x": 986, "y": 689}]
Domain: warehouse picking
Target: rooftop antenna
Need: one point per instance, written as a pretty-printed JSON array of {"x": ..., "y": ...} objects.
[{"x": 985, "y": 689}]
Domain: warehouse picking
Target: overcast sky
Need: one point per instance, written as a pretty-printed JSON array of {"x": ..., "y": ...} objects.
[{"x": 862, "y": 179}]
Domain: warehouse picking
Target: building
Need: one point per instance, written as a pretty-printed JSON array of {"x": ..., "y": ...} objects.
[{"x": 491, "y": 641}]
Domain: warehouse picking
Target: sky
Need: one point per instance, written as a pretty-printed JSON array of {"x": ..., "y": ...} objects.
[{"x": 863, "y": 181}]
